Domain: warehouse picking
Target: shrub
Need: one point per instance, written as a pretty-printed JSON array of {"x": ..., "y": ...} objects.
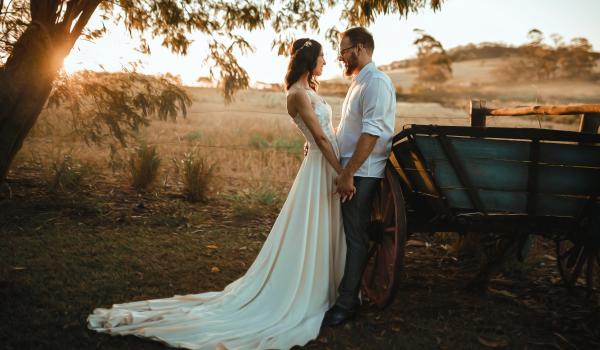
[
  {"x": 144, "y": 165},
  {"x": 193, "y": 136},
  {"x": 197, "y": 175},
  {"x": 294, "y": 145},
  {"x": 250, "y": 205},
  {"x": 266, "y": 196},
  {"x": 258, "y": 141},
  {"x": 66, "y": 174}
]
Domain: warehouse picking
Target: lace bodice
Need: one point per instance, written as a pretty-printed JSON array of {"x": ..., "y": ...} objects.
[{"x": 323, "y": 112}]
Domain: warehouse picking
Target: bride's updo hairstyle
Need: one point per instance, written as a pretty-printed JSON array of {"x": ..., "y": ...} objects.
[{"x": 303, "y": 58}]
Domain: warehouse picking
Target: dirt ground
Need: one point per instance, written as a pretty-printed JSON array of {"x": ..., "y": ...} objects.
[{"x": 64, "y": 254}]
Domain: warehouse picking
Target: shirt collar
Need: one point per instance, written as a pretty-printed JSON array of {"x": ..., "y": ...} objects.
[{"x": 364, "y": 71}]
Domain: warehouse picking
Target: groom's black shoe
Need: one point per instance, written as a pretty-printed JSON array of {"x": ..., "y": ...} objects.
[{"x": 337, "y": 315}]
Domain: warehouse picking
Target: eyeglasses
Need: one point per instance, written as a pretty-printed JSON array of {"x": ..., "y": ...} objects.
[{"x": 343, "y": 51}]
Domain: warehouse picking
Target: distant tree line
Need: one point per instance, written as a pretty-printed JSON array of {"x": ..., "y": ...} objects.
[
  {"x": 538, "y": 61},
  {"x": 484, "y": 50},
  {"x": 533, "y": 61},
  {"x": 433, "y": 63}
]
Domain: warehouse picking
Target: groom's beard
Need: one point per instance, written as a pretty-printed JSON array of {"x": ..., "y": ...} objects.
[{"x": 351, "y": 64}]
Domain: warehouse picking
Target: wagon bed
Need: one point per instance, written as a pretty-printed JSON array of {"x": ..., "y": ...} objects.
[{"x": 517, "y": 181}]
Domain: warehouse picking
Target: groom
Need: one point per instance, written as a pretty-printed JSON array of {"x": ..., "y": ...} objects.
[{"x": 364, "y": 136}]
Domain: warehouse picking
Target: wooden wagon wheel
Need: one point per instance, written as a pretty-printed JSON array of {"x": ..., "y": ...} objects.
[
  {"x": 388, "y": 237},
  {"x": 576, "y": 259}
]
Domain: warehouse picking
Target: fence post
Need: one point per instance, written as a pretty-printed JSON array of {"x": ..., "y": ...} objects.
[
  {"x": 477, "y": 113},
  {"x": 589, "y": 123}
]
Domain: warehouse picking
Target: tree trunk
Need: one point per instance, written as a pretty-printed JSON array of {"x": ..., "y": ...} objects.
[{"x": 25, "y": 84}]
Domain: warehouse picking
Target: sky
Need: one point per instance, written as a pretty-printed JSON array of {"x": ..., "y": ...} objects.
[{"x": 459, "y": 22}]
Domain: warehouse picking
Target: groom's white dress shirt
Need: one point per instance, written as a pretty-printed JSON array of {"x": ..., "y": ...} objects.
[{"x": 369, "y": 107}]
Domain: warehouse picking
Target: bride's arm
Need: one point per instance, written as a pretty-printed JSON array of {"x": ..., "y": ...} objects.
[{"x": 301, "y": 103}]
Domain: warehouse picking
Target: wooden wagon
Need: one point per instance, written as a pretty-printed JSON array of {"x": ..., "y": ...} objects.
[{"x": 510, "y": 181}]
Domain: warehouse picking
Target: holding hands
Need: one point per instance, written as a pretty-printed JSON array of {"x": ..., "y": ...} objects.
[{"x": 344, "y": 185}]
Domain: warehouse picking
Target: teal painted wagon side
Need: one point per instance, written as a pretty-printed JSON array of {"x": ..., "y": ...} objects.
[
  {"x": 491, "y": 180},
  {"x": 498, "y": 174}
]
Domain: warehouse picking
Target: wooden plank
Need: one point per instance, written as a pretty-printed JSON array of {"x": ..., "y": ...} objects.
[
  {"x": 588, "y": 208},
  {"x": 461, "y": 172},
  {"x": 425, "y": 177},
  {"x": 570, "y": 154},
  {"x": 501, "y": 133},
  {"x": 468, "y": 148},
  {"x": 485, "y": 174},
  {"x": 516, "y": 202},
  {"x": 495, "y": 201},
  {"x": 477, "y": 111},
  {"x": 498, "y": 175},
  {"x": 568, "y": 180},
  {"x": 550, "y": 153},
  {"x": 405, "y": 161},
  {"x": 549, "y": 205},
  {"x": 589, "y": 123},
  {"x": 533, "y": 177},
  {"x": 397, "y": 168},
  {"x": 545, "y": 110}
]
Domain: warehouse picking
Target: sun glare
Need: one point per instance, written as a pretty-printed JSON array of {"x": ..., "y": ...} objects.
[
  {"x": 73, "y": 64},
  {"x": 394, "y": 40}
]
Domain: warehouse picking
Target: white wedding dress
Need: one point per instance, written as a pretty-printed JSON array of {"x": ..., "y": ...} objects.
[{"x": 281, "y": 300}]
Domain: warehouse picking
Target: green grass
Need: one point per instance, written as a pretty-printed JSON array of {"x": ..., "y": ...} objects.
[
  {"x": 252, "y": 204},
  {"x": 295, "y": 145},
  {"x": 65, "y": 275},
  {"x": 193, "y": 136},
  {"x": 261, "y": 142},
  {"x": 266, "y": 196},
  {"x": 258, "y": 141},
  {"x": 64, "y": 255}
]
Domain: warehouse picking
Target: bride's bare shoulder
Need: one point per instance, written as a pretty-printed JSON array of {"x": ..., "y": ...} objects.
[{"x": 296, "y": 95}]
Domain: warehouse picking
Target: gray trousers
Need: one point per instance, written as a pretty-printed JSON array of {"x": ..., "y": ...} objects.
[{"x": 356, "y": 214}]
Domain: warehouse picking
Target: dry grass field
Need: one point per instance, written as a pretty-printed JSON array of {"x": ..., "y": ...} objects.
[
  {"x": 252, "y": 142},
  {"x": 65, "y": 252}
]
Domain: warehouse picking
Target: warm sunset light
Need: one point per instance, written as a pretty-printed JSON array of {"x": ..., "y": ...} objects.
[
  {"x": 462, "y": 23},
  {"x": 429, "y": 181}
]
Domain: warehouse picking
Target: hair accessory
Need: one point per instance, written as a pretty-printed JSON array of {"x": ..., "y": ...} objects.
[{"x": 307, "y": 43}]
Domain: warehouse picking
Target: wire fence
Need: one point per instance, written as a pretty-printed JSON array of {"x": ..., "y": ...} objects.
[{"x": 230, "y": 148}]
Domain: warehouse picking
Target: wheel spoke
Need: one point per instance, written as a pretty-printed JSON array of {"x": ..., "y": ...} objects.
[
  {"x": 578, "y": 267},
  {"x": 372, "y": 276},
  {"x": 575, "y": 256},
  {"x": 391, "y": 229},
  {"x": 591, "y": 264},
  {"x": 387, "y": 206},
  {"x": 385, "y": 256},
  {"x": 372, "y": 251},
  {"x": 383, "y": 271},
  {"x": 566, "y": 253}
]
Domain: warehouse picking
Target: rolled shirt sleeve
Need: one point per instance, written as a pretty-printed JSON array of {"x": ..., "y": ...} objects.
[{"x": 375, "y": 102}]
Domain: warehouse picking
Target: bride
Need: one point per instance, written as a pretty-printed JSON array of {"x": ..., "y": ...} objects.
[{"x": 281, "y": 300}]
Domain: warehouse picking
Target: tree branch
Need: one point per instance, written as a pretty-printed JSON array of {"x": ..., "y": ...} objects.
[
  {"x": 73, "y": 9},
  {"x": 84, "y": 18},
  {"x": 44, "y": 11}
]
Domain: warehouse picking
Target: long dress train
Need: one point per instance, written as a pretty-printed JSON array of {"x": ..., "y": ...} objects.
[{"x": 281, "y": 300}]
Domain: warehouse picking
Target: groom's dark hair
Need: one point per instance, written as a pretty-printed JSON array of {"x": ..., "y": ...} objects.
[{"x": 359, "y": 35}]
